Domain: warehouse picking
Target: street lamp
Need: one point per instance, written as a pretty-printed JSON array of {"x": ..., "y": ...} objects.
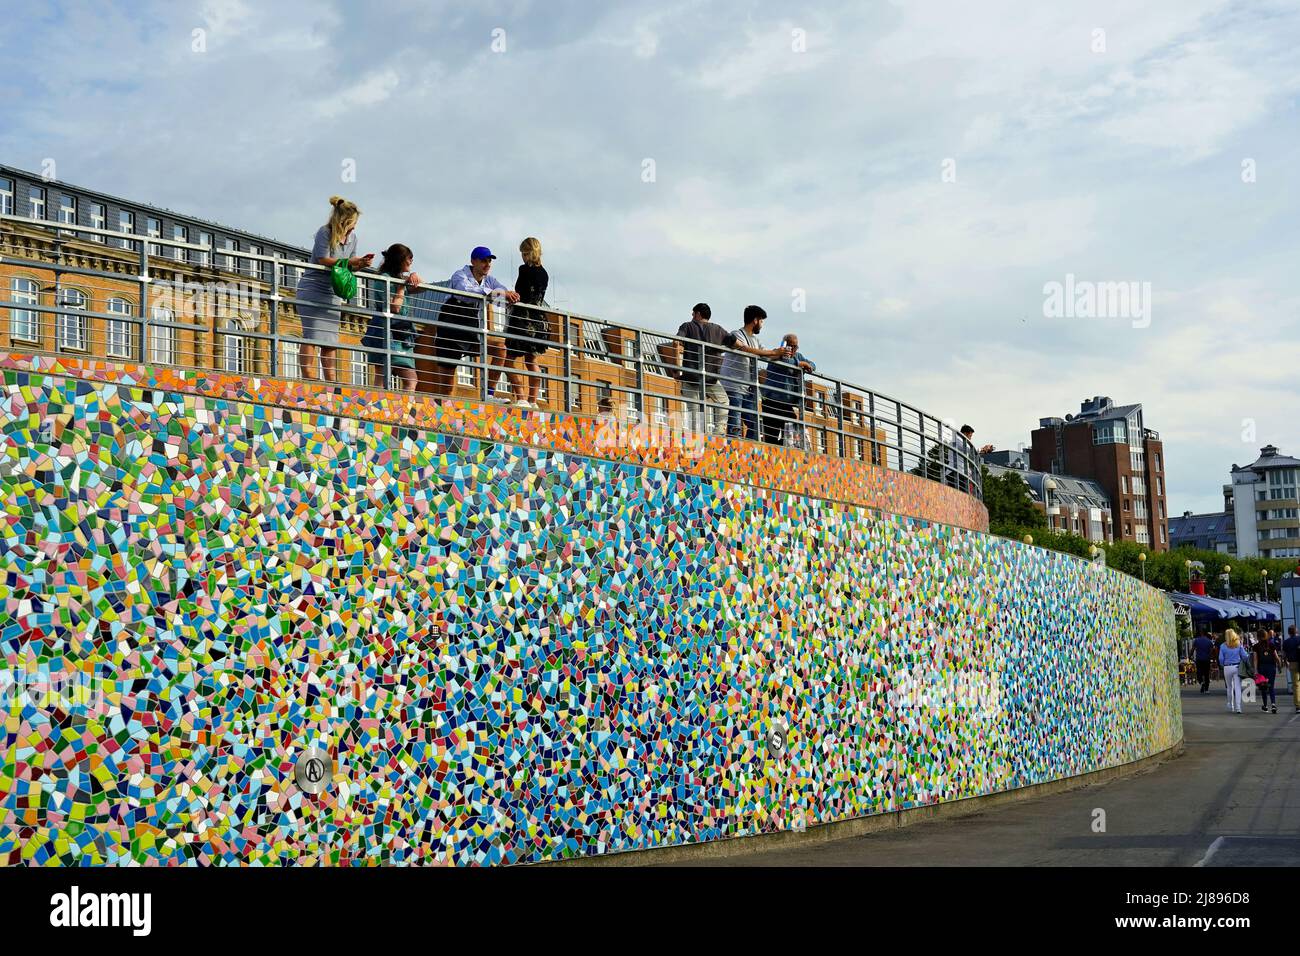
[
  {"x": 1264, "y": 575},
  {"x": 1226, "y": 578},
  {"x": 1029, "y": 539},
  {"x": 1142, "y": 560}
]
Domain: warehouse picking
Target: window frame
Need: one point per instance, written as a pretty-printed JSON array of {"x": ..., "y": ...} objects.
[
  {"x": 63, "y": 321},
  {"x": 32, "y": 316},
  {"x": 117, "y": 331}
]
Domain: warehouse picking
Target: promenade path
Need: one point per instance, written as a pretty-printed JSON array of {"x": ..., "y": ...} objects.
[{"x": 1232, "y": 799}]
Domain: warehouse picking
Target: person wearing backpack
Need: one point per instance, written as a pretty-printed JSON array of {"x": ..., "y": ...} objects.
[
  {"x": 317, "y": 305},
  {"x": 1231, "y": 657}
]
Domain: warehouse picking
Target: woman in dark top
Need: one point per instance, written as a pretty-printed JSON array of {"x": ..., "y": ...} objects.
[
  {"x": 397, "y": 263},
  {"x": 1266, "y": 665},
  {"x": 527, "y": 322}
]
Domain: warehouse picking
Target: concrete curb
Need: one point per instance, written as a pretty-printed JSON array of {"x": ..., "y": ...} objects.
[{"x": 858, "y": 826}]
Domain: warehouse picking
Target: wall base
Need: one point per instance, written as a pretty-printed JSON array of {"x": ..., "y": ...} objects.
[{"x": 860, "y": 826}]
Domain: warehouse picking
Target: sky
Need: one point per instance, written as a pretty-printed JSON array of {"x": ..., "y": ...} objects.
[{"x": 900, "y": 183}]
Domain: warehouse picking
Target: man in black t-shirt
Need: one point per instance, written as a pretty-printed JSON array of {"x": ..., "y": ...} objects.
[{"x": 700, "y": 360}]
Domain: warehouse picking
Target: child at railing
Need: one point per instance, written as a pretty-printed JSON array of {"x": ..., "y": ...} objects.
[
  {"x": 525, "y": 323},
  {"x": 396, "y": 263}
]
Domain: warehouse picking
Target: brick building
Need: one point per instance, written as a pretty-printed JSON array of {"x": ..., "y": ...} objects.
[
  {"x": 94, "y": 271},
  {"x": 1111, "y": 445}
]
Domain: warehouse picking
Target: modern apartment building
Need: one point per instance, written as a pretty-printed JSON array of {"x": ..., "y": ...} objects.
[
  {"x": 1262, "y": 497},
  {"x": 1111, "y": 445}
]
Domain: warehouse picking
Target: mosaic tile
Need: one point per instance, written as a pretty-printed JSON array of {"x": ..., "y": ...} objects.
[{"x": 512, "y": 653}]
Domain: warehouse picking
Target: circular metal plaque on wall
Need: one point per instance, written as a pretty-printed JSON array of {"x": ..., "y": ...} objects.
[
  {"x": 777, "y": 738},
  {"x": 314, "y": 770}
]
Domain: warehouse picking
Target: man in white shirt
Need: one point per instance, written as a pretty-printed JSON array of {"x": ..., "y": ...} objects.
[
  {"x": 739, "y": 375},
  {"x": 460, "y": 322}
]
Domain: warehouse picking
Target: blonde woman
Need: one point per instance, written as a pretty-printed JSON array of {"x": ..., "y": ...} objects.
[
  {"x": 318, "y": 306},
  {"x": 527, "y": 323},
  {"x": 1231, "y": 656}
]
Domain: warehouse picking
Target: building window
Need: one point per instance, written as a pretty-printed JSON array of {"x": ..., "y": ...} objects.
[
  {"x": 359, "y": 368},
  {"x": 67, "y": 213},
  {"x": 203, "y": 257},
  {"x": 1143, "y": 535},
  {"x": 464, "y": 376},
  {"x": 153, "y": 229},
  {"x": 180, "y": 234},
  {"x": 228, "y": 262},
  {"x": 72, "y": 328},
  {"x": 1139, "y": 485},
  {"x": 36, "y": 202},
  {"x": 98, "y": 219},
  {"x": 255, "y": 270},
  {"x": 290, "y": 364},
  {"x": 6, "y": 197},
  {"x": 119, "y": 333},
  {"x": 1160, "y": 486},
  {"x": 1162, "y": 534},
  {"x": 1109, "y": 433},
  {"x": 162, "y": 340},
  {"x": 1159, "y": 467},
  {"x": 1123, "y": 484},
  {"x": 233, "y": 355},
  {"x": 24, "y": 324},
  {"x": 126, "y": 224}
]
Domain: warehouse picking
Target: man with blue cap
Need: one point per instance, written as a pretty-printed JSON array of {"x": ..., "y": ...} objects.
[{"x": 459, "y": 322}]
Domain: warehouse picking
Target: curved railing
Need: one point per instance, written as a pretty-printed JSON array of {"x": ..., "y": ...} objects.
[{"x": 233, "y": 304}]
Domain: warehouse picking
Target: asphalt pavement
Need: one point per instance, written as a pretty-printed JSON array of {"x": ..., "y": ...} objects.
[{"x": 1232, "y": 799}]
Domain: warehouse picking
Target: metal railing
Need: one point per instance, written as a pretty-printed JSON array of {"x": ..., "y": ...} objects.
[{"x": 225, "y": 310}]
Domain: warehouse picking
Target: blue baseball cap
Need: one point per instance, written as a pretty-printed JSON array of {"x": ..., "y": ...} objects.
[{"x": 481, "y": 252}]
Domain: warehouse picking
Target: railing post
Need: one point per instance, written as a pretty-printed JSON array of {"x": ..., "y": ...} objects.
[
  {"x": 839, "y": 407},
  {"x": 275, "y": 314},
  {"x": 568, "y": 363},
  {"x": 485, "y": 320},
  {"x": 386, "y": 367},
  {"x": 640, "y": 375},
  {"x": 144, "y": 305}
]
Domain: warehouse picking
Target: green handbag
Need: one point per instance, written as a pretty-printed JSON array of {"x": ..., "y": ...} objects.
[{"x": 344, "y": 282}]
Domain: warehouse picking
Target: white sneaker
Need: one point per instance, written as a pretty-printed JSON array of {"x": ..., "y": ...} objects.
[{"x": 524, "y": 403}]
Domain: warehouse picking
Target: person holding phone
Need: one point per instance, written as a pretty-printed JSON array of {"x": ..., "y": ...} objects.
[
  {"x": 396, "y": 263},
  {"x": 317, "y": 305}
]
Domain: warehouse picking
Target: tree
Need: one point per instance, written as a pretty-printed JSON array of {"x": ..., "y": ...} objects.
[{"x": 1010, "y": 505}]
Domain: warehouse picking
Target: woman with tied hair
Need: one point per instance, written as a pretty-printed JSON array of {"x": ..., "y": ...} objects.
[
  {"x": 1231, "y": 656},
  {"x": 528, "y": 323},
  {"x": 317, "y": 305},
  {"x": 401, "y": 362}
]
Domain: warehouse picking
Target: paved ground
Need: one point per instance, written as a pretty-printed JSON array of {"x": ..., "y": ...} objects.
[{"x": 1233, "y": 798}]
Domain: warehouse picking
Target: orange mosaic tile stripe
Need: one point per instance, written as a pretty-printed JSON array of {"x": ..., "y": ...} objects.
[{"x": 766, "y": 466}]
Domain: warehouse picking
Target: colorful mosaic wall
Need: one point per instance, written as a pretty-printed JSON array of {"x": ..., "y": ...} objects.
[
  {"x": 512, "y": 654},
  {"x": 819, "y": 476}
]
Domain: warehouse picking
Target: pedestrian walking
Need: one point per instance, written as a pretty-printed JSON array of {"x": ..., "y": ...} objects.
[
  {"x": 1291, "y": 650},
  {"x": 1267, "y": 662},
  {"x": 1231, "y": 657},
  {"x": 1203, "y": 648}
]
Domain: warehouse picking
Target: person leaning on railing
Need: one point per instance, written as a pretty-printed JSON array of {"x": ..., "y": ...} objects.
[
  {"x": 699, "y": 365},
  {"x": 317, "y": 305},
  {"x": 783, "y": 388},
  {"x": 740, "y": 374},
  {"x": 397, "y": 264},
  {"x": 960, "y": 468},
  {"x": 523, "y": 324},
  {"x": 460, "y": 327}
]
